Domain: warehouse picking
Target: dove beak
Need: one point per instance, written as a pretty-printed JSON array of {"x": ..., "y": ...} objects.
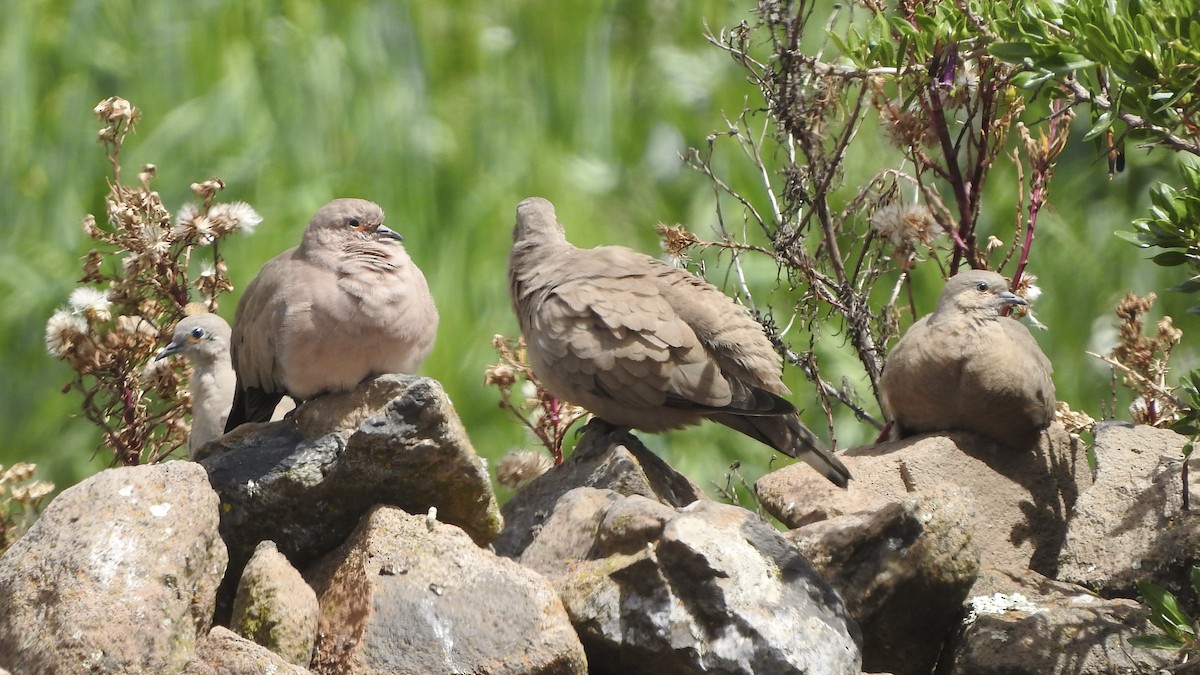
[
  {"x": 1011, "y": 298},
  {"x": 167, "y": 351},
  {"x": 385, "y": 231}
]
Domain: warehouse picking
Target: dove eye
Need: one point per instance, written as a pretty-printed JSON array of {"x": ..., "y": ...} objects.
[
  {"x": 352, "y": 222},
  {"x": 197, "y": 333},
  {"x": 981, "y": 286}
]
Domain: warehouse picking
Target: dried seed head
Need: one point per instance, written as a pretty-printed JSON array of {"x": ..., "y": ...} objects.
[
  {"x": 115, "y": 109},
  {"x": 500, "y": 375},
  {"x": 92, "y": 303},
  {"x": 30, "y": 493},
  {"x": 234, "y": 217},
  {"x": 18, "y": 472},
  {"x": 1168, "y": 334},
  {"x": 208, "y": 188},
  {"x": 63, "y": 331},
  {"x": 904, "y": 225},
  {"x": 521, "y": 466}
]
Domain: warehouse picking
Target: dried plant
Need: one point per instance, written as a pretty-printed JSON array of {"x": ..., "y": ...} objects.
[
  {"x": 1143, "y": 362},
  {"x": 137, "y": 283},
  {"x": 20, "y": 501},
  {"x": 948, "y": 109},
  {"x": 547, "y": 417},
  {"x": 518, "y": 467}
]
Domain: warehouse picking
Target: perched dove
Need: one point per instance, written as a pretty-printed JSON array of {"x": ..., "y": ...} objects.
[
  {"x": 644, "y": 345},
  {"x": 204, "y": 340},
  {"x": 346, "y": 304},
  {"x": 966, "y": 367}
]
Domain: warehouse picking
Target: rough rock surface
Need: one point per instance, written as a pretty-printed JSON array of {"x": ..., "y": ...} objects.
[
  {"x": 903, "y": 571},
  {"x": 409, "y": 594},
  {"x": 700, "y": 589},
  {"x": 1025, "y": 624},
  {"x": 119, "y": 574},
  {"x": 224, "y": 652},
  {"x": 1024, "y": 498},
  {"x": 274, "y": 606},
  {"x": 604, "y": 458},
  {"x": 306, "y": 481},
  {"x": 1130, "y": 526}
]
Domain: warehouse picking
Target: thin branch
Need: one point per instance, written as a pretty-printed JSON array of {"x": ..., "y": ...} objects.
[{"x": 1166, "y": 136}]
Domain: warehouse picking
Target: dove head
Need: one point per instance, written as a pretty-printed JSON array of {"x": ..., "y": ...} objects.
[
  {"x": 198, "y": 336},
  {"x": 537, "y": 222},
  {"x": 978, "y": 293},
  {"x": 343, "y": 222}
]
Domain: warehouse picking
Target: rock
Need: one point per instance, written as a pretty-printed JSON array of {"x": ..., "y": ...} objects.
[
  {"x": 1023, "y": 498},
  {"x": 275, "y": 608},
  {"x": 1025, "y": 624},
  {"x": 119, "y": 575},
  {"x": 224, "y": 652},
  {"x": 1129, "y": 526},
  {"x": 903, "y": 571},
  {"x": 305, "y": 482},
  {"x": 409, "y": 594},
  {"x": 604, "y": 458},
  {"x": 706, "y": 588}
]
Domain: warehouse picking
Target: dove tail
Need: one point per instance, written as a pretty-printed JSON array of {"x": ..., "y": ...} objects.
[
  {"x": 787, "y": 434},
  {"x": 251, "y": 405}
]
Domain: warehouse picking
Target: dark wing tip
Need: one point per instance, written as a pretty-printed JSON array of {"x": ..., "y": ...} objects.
[{"x": 252, "y": 404}]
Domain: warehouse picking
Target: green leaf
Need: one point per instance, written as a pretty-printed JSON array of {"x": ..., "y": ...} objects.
[
  {"x": 1013, "y": 52},
  {"x": 1064, "y": 62},
  {"x": 927, "y": 25},
  {"x": 1103, "y": 124},
  {"x": 1170, "y": 258},
  {"x": 1131, "y": 237},
  {"x": 1189, "y": 286},
  {"x": 1164, "y": 609},
  {"x": 1141, "y": 63},
  {"x": 1155, "y": 642},
  {"x": 1194, "y": 573}
]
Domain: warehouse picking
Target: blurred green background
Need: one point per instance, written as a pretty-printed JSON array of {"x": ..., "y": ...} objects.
[{"x": 447, "y": 114}]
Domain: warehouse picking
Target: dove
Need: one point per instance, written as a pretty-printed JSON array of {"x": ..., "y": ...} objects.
[
  {"x": 348, "y": 303},
  {"x": 203, "y": 339},
  {"x": 967, "y": 367},
  {"x": 643, "y": 345}
]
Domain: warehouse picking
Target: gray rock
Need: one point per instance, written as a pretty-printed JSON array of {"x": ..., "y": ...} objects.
[
  {"x": 119, "y": 575},
  {"x": 606, "y": 458},
  {"x": 903, "y": 571},
  {"x": 701, "y": 589},
  {"x": 1129, "y": 526},
  {"x": 224, "y": 652},
  {"x": 409, "y": 594},
  {"x": 275, "y": 608},
  {"x": 1024, "y": 498},
  {"x": 305, "y": 482},
  {"x": 1025, "y": 624}
]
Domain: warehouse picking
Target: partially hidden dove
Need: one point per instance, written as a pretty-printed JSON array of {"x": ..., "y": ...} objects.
[
  {"x": 966, "y": 367},
  {"x": 643, "y": 345},
  {"x": 204, "y": 340},
  {"x": 346, "y": 304}
]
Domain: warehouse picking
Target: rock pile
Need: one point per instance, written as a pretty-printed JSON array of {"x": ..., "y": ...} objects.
[{"x": 361, "y": 535}]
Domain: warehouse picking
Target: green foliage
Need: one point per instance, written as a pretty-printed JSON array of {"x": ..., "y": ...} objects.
[
  {"x": 1174, "y": 224},
  {"x": 1139, "y": 62},
  {"x": 1179, "y": 631}
]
